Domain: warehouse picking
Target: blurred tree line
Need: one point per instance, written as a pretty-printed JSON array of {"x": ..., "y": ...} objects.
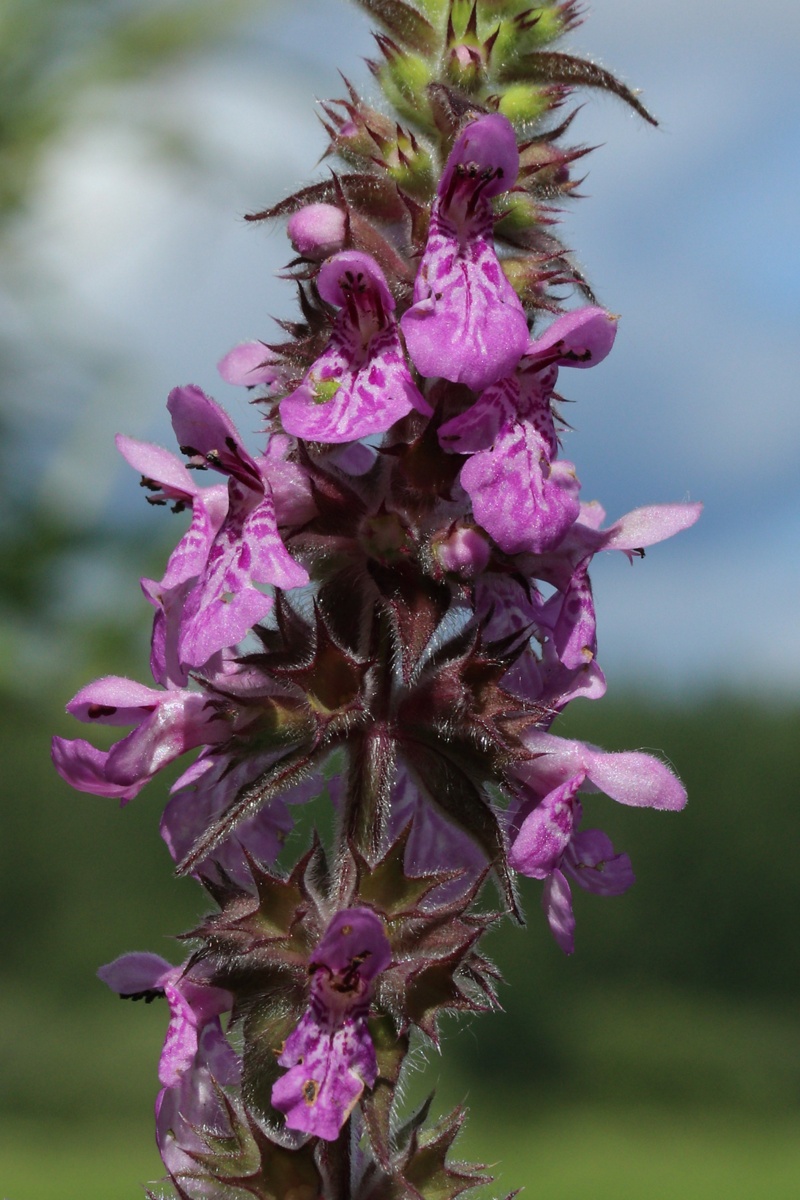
[
  {"x": 54, "y": 54},
  {"x": 682, "y": 990}
]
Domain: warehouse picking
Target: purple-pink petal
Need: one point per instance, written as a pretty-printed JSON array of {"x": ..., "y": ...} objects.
[
  {"x": 526, "y": 504},
  {"x": 181, "y": 721},
  {"x": 630, "y": 777},
  {"x": 168, "y": 723},
  {"x": 180, "y": 1040},
  {"x": 194, "y": 1107},
  {"x": 490, "y": 146},
  {"x": 545, "y": 832},
  {"x": 353, "y": 279},
  {"x": 569, "y": 617},
  {"x": 317, "y": 230},
  {"x": 193, "y": 1002},
  {"x": 434, "y": 843},
  {"x": 581, "y": 338},
  {"x": 361, "y": 383},
  {"x": 595, "y": 865},
  {"x": 557, "y": 904},
  {"x": 229, "y": 551},
  {"x": 330, "y": 1054},
  {"x": 371, "y": 393},
  {"x": 248, "y": 364},
  {"x": 133, "y": 973},
  {"x": 649, "y": 525},
  {"x": 158, "y": 465},
  {"x": 83, "y": 766},
  {"x": 329, "y": 1068},
  {"x": 114, "y": 700},
  {"x": 204, "y": 791},
  {"x": 467, "y": 323},
  {"x": 201, "y": 425},
  {"x": 189, "y": 557},
  {"x": 354, "y": 935},
  {"x": 478, "y": 426}
]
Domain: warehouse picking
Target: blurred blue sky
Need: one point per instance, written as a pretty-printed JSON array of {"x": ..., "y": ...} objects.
[{"x": 144, "y": 264}]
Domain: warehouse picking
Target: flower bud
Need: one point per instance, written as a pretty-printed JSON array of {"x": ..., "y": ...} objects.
[
  {"x": 404, "y": 79},
  {"x": 464, "y": 552},
  {"x": 524, "y": 103},
  {"x": 317, "y": 230}
]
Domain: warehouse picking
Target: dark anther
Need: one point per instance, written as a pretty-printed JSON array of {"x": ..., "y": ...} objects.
[{"x": 148, "y": 995}]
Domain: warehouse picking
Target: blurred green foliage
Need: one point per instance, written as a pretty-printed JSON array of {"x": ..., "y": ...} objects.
[
  {"x": 675, "y": 1019},
  {"x": 53, "y": 50}
]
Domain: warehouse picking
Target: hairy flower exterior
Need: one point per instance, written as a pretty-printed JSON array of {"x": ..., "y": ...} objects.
[{"x": 545, "y": 842}]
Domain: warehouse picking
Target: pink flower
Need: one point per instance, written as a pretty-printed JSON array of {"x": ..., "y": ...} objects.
[
  {"x": 207, "y": 600},
  {"x": 167, "y": 724},
  {"x": 361, "y": 383},
  {"x": 330, "y": 1055},
  {"x": 520, "y": 494},
  {"x": 193, "y": 1003},
  {"x": 196, "y": 1059},
  {"x": 224, "y": 603},
  {"x": 545, "y": 843},
  {"x": 467, "y": 323}
]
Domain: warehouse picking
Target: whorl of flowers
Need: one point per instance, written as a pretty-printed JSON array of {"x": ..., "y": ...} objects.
[{"x": 384, "y": 608}]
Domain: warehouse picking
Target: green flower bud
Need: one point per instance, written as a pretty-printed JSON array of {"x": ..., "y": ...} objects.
[
  {"x": 529, "y": 30},
  {"x": 521, "y": 213},
  {"x": 434, "y": 10},
  {"x": 524, "y": 103},
  {"x": 411, "y": 167},
  {"x": 404, "y": 79}
]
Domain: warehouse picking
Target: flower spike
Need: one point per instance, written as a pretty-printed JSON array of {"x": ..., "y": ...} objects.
[{"x": 379, "y": 614}]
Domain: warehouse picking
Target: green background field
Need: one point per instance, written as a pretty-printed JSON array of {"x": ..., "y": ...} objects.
[{"x": 663, "y": 1059}]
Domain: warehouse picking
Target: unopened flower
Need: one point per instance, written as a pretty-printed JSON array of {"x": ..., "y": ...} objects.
[
  {"x": 317, "y": 230},
  {"x": 330, "y": 1055},
  {"x": 462, "y": 551}
]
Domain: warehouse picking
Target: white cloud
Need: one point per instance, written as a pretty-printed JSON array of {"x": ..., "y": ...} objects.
[{"x": 684, "y": 233}]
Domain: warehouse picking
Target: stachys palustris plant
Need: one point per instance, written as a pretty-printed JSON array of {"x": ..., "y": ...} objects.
[{"x": 382, "y": 610}]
